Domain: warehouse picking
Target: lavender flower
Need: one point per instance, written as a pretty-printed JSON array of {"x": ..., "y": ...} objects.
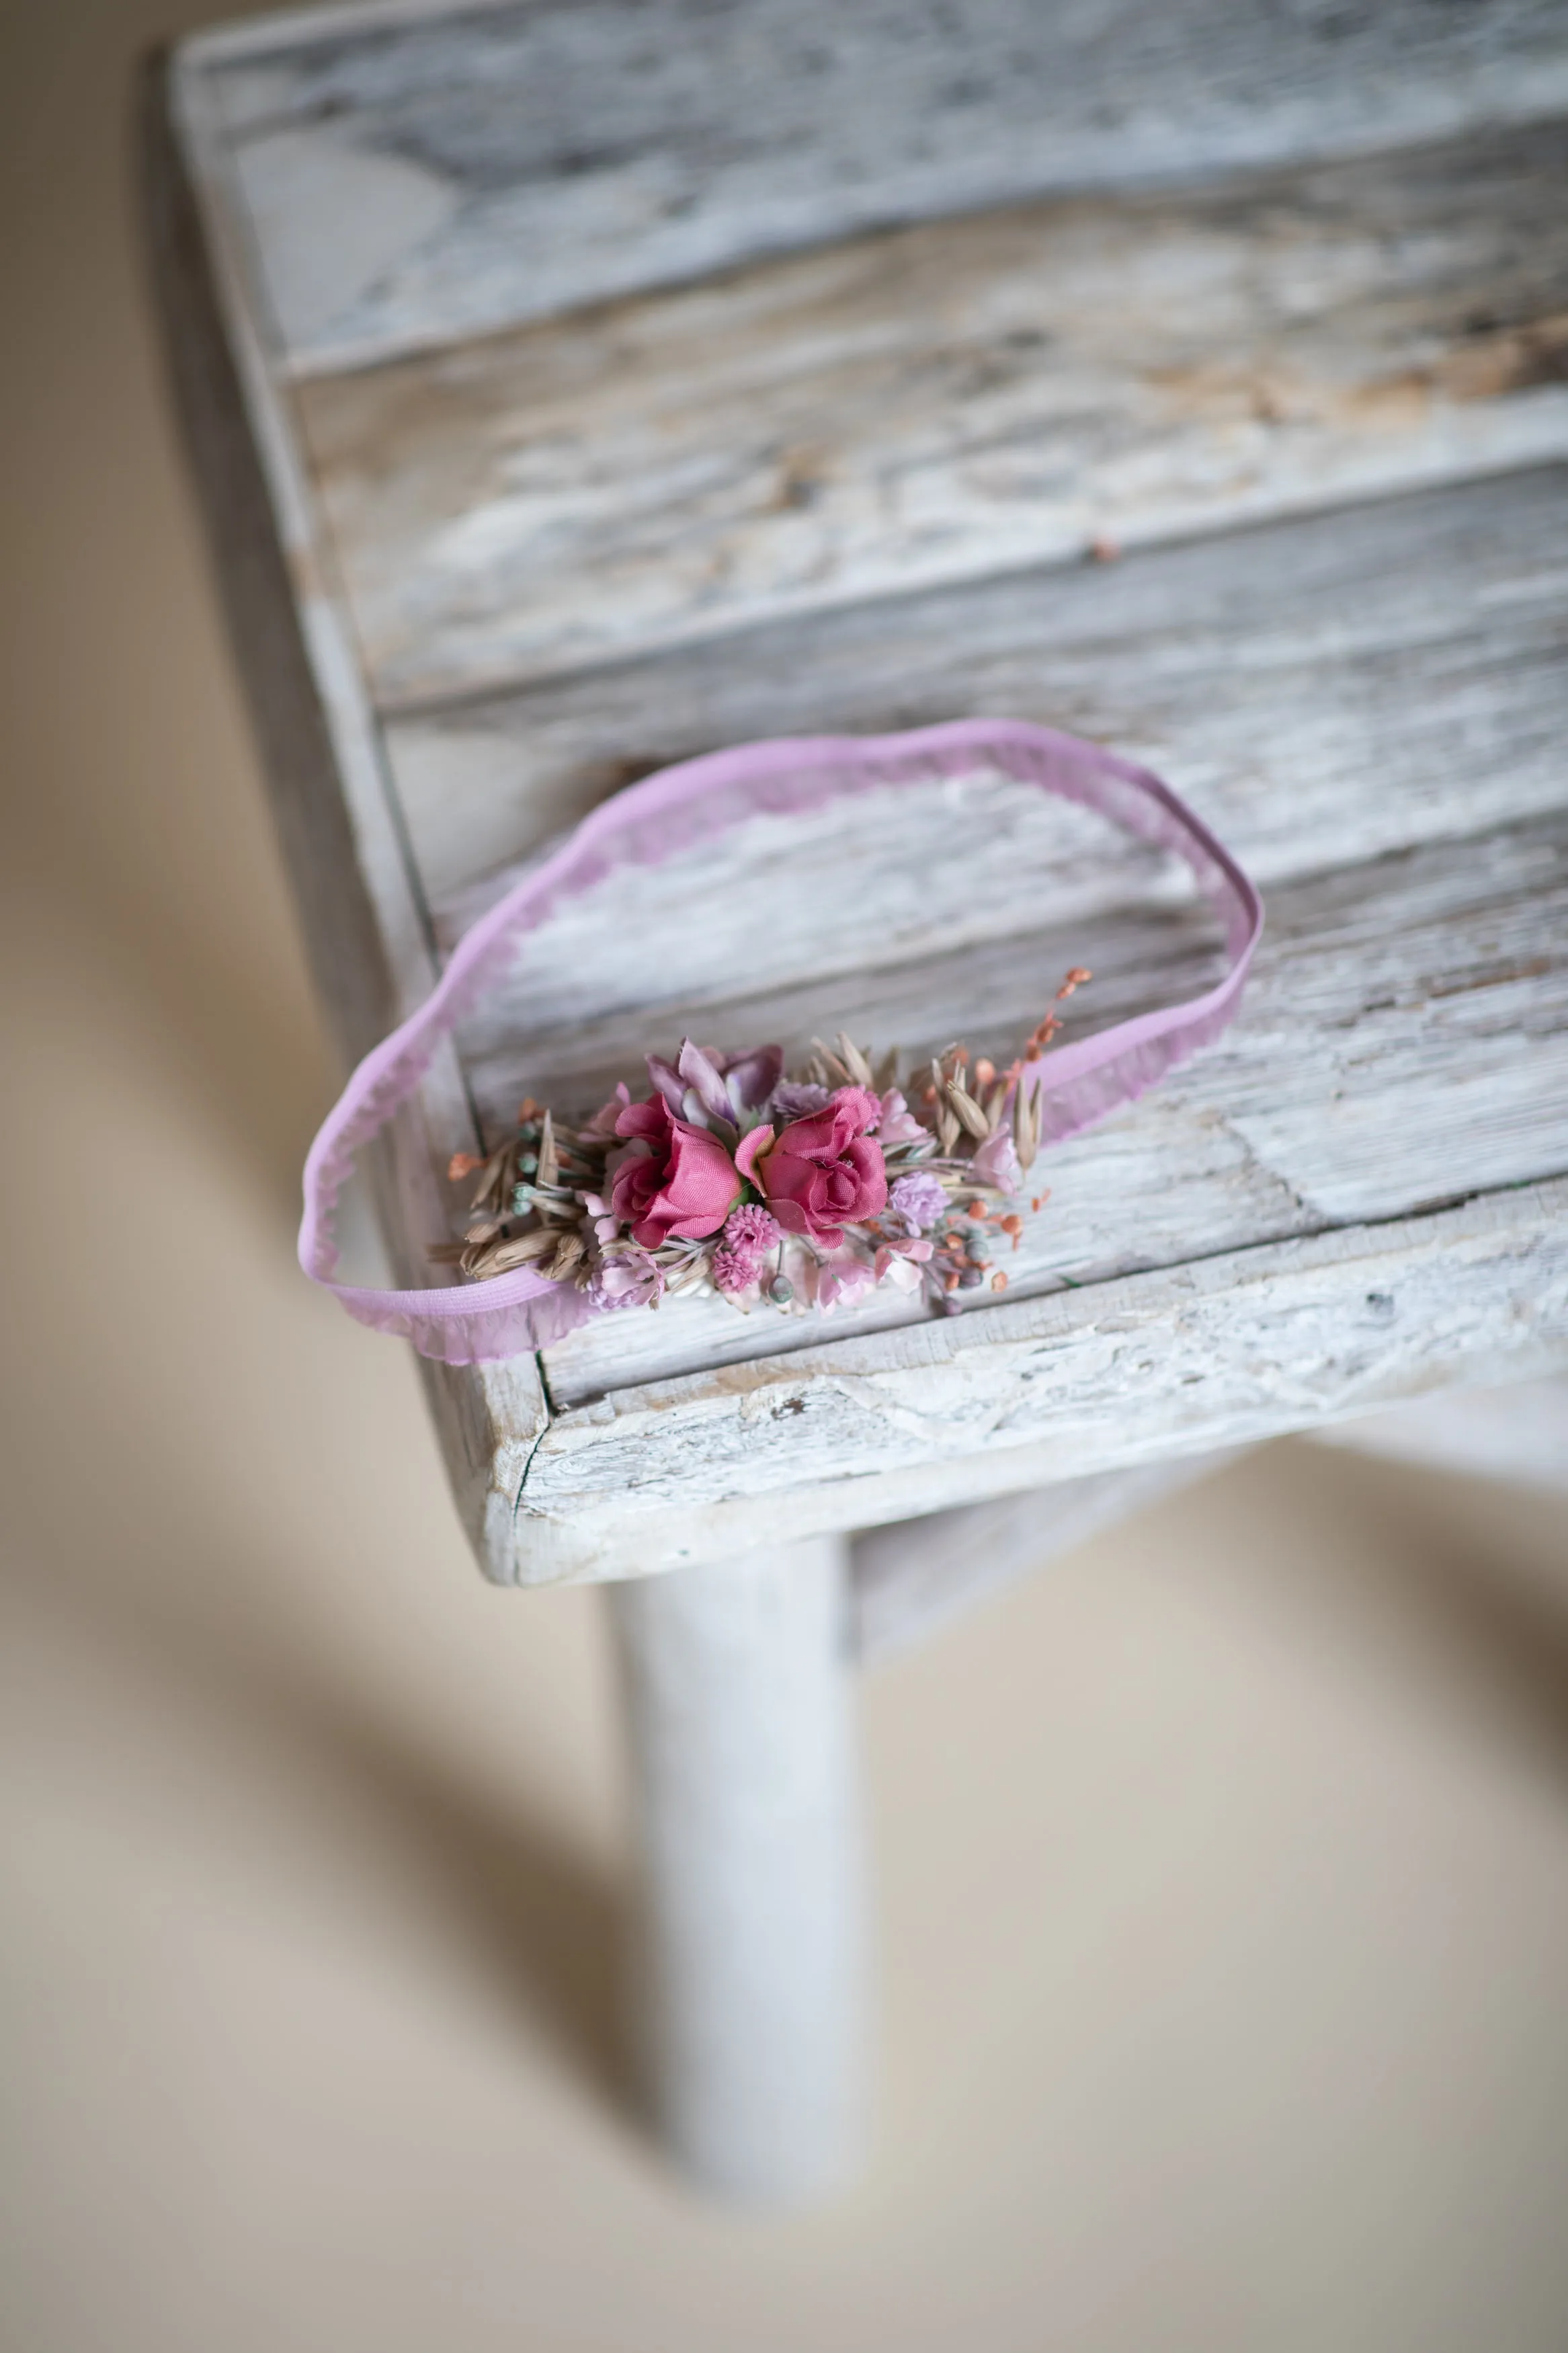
[
  {"x": 920, "y": 1199},
  {"x": 797, "y": 1099},
  {"x": 627, "y": 1278},
  {"x": 701, "y": 1086}
]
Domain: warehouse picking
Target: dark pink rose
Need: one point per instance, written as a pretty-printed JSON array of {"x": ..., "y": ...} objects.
[
  {"x": 823, "y": 1173},
  {"x": 674, "y": 1180}
]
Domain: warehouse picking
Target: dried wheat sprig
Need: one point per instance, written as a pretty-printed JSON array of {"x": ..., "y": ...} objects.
[
  {"x": 572, "y": 1251},
  {"x": 857, "y": 1063},
  {"x": 500, "y": 1256},
  {"x": 971, "y": 1118},
  {"x": 833, "y": 1068},
  {"x": 1027, "y": 1124}
]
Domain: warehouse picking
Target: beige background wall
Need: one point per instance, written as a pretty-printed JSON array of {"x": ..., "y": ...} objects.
[{"x": 1223, "y": 1871}]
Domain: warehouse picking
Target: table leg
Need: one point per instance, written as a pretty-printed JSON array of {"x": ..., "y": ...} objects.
[{"x": 750, "y": 1972}]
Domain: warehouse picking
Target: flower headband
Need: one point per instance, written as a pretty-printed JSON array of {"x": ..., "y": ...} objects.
[{"x": 788, "y": 1190}]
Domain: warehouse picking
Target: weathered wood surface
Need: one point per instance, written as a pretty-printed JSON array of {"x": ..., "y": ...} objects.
[
  {"x": 364, "y": 926},
  {"x": 510, "y": 493},
  {"x": 943, "y": 403},
  {"x": 422, "y": 176},
  {"x": 1177, "y": 1361},
  {"x": 1403, "y": 1039},
  {"x": 911, "y": 1579},
  {"x": 1371, "y": 701},
  {"x": 1273, "y": 674}
]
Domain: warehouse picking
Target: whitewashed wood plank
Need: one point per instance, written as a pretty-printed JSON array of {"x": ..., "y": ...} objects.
[
  {"x": 867, "y": 895},
  {"x": 1220, "y": 1353},
  {"x": 1270, "y": 674},
  {"x": 945, "y": 402},
  {"x": 1404, "y": 1041},
  {"x": 919, "y": 1485},
  {"x": 417, "y": 175},
  {"x": 363, "y": 921},
  {"x": 913, "y": 1578}
]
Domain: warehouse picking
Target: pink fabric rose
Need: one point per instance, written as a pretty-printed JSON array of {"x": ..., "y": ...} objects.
[
  {"x": 823, "y": 1173},
  {"x": 674, "y": 1180}
]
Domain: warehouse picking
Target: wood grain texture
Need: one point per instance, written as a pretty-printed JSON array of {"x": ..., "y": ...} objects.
[
  {"x": 364, "y": 929},
  {"x": 421, "y": 176},
  {"x": 1178, "y": 1361},
  {"x": 912, "y": 1579},
  {"x": 1403, "y": 1039},
  {"x": 347, "y": 951},
  {"x": 1322, "y": 690},
  {"x": 1352, "y": 687},
  {"x": 945, "y": 402},
  {"x": 1370, "y": 700}
]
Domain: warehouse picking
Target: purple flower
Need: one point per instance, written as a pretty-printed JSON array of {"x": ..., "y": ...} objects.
[
  {"x": 701, "y": 1087},
  {"x": 797, "y": 1100},
  {"x": 628, "y": 1277},
  {"x": 920, "y": 1199},
  {"x": 751, "y": 1078}
]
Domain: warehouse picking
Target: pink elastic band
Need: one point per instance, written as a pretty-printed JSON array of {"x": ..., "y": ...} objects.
[{"x": 474, "y": 1322}]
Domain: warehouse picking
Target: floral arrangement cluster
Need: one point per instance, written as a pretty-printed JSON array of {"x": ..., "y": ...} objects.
[{"x": 802, "y": 1189}]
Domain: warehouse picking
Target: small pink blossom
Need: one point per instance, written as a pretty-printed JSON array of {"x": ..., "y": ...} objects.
[
  {"x": 606, "y": 1225},
  {"x": 748, "y": 1227},
  {"x": 843, "y": 1281},
  {"x": 734, "y": 1269},
  {"x": 603, "y": 1119},
  {"x": 897, "y": 1122},
  {"x": 996, "y": 1163},
  {"x": 750, "y": 1233}
]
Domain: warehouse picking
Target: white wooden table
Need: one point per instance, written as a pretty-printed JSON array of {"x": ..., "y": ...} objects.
[{"x": 578, "y": 385}]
